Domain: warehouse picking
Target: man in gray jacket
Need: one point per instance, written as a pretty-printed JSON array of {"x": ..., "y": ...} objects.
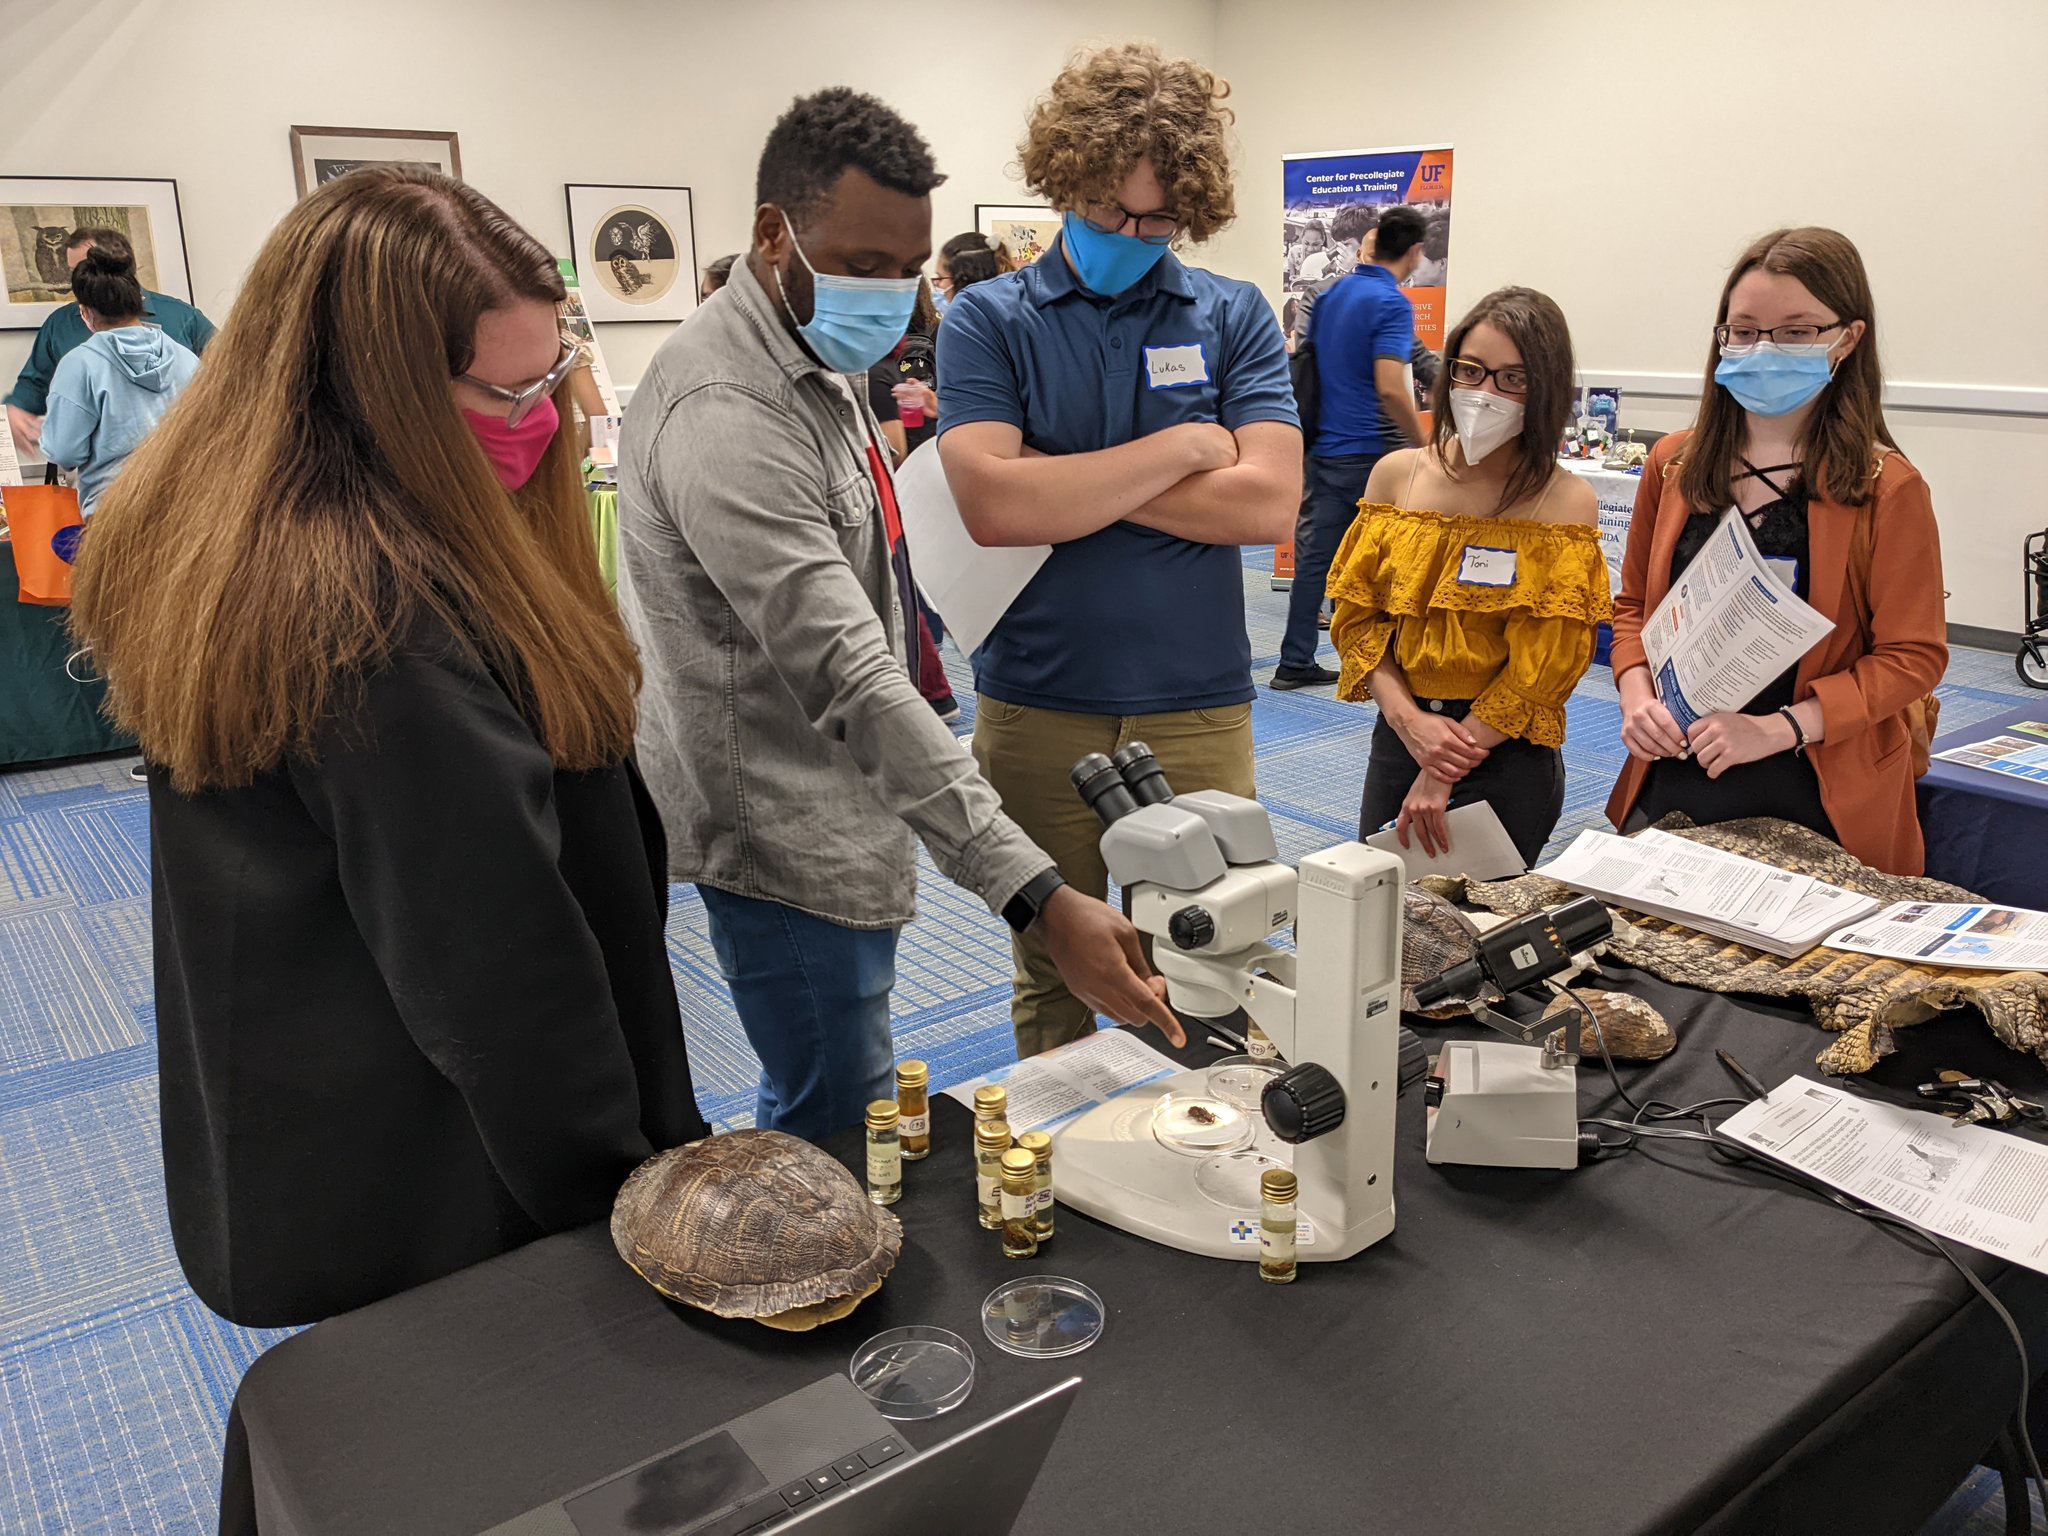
[{"x": 763, "y": 573}]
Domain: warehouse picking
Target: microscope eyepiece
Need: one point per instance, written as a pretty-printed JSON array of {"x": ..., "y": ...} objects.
[
  {"x": 1103, "y": 788},
  {"x": 1142, "y": 774}
]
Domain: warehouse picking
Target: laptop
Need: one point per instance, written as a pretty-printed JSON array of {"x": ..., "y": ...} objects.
[{"x": 819, "y": 1462}]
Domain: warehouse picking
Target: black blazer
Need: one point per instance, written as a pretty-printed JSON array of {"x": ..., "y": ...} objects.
[{"x": 414, "y": 1006}]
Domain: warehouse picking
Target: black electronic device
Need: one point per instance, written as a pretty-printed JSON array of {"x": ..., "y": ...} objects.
[
  {"x": 820, "y": 1462},
  {"x": 1521, "y": 953}
]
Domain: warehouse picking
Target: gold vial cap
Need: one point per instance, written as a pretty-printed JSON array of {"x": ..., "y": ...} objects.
[
  {"x": 1038, "y": 1144},
  {"x": 1019, "y": 1164},
  {"x": 995, "y": 1133},
  {"x": 1277, "y": 1184},
  {"x": 991, "y": 1100},
  {"x": 883, "y": 1114},
  {"x": 911, "y": 1074}
]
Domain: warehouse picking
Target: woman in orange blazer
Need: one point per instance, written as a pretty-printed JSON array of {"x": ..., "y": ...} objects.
[{"x": 1790, "y": 430}]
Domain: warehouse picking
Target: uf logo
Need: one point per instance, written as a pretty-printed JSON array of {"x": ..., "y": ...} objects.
[{"x": 1429, "y": 173}]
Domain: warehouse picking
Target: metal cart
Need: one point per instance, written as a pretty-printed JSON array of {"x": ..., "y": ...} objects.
[{"x": 2033, "y": 656}]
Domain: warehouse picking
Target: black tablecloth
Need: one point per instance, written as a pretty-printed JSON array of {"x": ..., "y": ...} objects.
[
  {"x": 1658, "y": 1343},
  {"x": 44, "y": 713},
  {"x": 1987, "y": 831}
]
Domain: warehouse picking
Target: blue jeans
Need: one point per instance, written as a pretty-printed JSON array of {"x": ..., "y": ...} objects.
[
  {"x": 1334, "y": 486},
  {"x": 813, "y": 997}
]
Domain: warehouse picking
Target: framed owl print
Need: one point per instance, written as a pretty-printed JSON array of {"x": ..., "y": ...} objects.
[
  {"x": 40, "y": 215},
  {"x": 636, "y": 251}
]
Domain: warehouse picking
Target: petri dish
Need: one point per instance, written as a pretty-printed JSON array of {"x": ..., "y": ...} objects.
[
  {"x": 1232, "y": 1181},
  {"x": 1200, "y": 1125},
  {"x": 914, "y": 1373},
  {"x": 1239, "y": 1081},
  {"x": 1042, "y": 1317}
]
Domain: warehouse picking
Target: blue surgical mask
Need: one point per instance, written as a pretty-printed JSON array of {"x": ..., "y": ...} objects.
[
  {"x": 855, "y": 321},
  {"x": 1108, "y": 264},
  {"x": 1770, "y": 380}
]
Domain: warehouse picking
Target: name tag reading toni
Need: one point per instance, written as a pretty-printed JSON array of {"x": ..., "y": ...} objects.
[
  {"x": 1484, "y": 567},
  {"x": 1174, "y": 367}
]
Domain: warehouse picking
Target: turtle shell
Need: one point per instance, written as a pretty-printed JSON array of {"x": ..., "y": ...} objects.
[{"x": 755, "y": 1224}]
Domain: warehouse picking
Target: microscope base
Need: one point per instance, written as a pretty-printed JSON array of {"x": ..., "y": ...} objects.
[
  {"x": 1107, "y": 1165},
  {"x": 1502, "y": 1108}
]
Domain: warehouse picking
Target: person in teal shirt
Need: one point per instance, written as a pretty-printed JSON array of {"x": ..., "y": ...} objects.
[
  {"x": 109, "y": 394},
  {"x": 66, "y": 329}
]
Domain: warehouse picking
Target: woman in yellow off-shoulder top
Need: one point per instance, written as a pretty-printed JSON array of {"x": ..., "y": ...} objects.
[{"x": 1470, "y": 588}]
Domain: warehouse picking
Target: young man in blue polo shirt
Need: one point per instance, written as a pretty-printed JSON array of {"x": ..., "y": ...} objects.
[
  {"x": 1364, "y": 333},
  {"x": 1135, "y": 414},
  {"x": 65, "y": 328}
]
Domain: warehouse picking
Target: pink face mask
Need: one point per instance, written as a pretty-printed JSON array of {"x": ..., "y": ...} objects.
[{"x": 515, "y": 452}]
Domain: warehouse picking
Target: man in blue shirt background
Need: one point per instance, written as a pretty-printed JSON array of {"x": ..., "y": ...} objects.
[
  {"x": 65, "y": 328},
  {"x": 1135, "y": 414},
  {"x": 1363, "y": 329}
]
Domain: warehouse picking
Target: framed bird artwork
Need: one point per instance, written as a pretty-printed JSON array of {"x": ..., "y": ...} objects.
[
  {"x": 40, "y": 215},
  {"x": 635, "y": 250}
]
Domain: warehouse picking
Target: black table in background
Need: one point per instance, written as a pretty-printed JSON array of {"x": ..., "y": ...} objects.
[
  {"x": 1987, "y": 831},
  {"x": 1658, "y": 1343},
  {"x": 44, "y": 712}
]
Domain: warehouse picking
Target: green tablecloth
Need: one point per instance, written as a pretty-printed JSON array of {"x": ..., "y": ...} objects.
[
  {"x": 43, "y": 713},
  {"x": 604, "y": 528}
]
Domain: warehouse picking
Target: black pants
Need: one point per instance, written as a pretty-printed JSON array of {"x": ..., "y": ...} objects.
[
  {"x": 1524, "y": 783},
  {"x": 1781, "y": 785}
]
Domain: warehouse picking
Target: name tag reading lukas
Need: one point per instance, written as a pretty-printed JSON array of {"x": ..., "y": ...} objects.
[
  {"x": 1176, "y": 367},
  {"x": 1484, "y": 567}
]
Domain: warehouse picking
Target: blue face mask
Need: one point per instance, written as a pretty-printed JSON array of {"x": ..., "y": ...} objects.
[
  {"x": 1107, "y": 264},
  {"x": 855, "y": 321},
  {"x": 1770, "y": 380}
]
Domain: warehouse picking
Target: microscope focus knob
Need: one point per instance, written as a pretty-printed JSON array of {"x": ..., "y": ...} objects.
[
  {"x": 1303, "y": 1103},
  {"x": 1191, "y": 928}
]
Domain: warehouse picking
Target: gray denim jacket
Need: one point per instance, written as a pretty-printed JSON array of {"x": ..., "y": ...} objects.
[{"x": 783, "y": 740}]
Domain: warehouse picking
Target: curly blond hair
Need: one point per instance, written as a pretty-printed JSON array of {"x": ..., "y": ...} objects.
[{"x": 1110, "y": 109}]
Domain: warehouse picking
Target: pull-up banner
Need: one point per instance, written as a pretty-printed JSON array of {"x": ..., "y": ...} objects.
[{"x": 1321, "y": 246}]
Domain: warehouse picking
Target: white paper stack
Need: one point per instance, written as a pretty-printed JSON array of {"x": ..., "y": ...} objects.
[{"x": 1744, "y": 901}]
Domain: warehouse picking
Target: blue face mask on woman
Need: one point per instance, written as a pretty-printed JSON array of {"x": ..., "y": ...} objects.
[
  {"x": 1108, "y": 264},
  {"x": 1770, "y": 380},
  {"x": 855, "y": 321}
]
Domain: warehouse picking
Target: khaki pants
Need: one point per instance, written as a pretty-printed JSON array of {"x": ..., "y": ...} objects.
[{"x": 1027, "y": 754}]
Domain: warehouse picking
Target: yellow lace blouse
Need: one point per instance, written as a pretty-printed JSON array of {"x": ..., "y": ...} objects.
[{"x": 1516, "y": 650}]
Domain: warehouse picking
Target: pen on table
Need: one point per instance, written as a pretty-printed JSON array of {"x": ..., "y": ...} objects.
[{"x": 1750, "y": 1085}]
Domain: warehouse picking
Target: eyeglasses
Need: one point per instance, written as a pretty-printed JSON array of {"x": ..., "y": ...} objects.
[
  {"x": 1783, "y": 335},
  {"x": 525, "y": 399},
  {"x": 1152, "y": 228},
  {"x": 1513, "y": 380}
]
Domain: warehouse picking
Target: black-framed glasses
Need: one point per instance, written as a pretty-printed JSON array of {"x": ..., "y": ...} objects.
[
  {"x": 1513, "y": 379},
  {"x": 527, "y": 396},
  {"x": 1152, "y": 228},
  {"x": 1784, "y": 335}
]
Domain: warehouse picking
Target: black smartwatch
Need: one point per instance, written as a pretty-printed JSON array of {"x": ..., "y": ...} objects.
[{"x": 1022, "y": 909}]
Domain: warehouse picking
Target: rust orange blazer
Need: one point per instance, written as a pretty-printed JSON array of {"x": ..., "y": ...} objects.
[{"x": 1865, "y": 770}]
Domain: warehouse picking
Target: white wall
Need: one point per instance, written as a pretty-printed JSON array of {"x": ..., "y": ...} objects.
[
  {"x": 1619, "y": 158},
  {"x": 662, "y": 92}
]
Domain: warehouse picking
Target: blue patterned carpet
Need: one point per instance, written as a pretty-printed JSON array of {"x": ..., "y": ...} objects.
[{"x": 115, "y": 1381}]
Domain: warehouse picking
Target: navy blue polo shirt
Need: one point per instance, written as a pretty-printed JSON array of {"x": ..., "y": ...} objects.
[
  {"x": 1129, "y": 620},
  {"x": 1362, "y": 318}
]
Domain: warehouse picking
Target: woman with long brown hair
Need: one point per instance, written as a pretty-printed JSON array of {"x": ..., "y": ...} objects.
[
  {"x": 413, "y": 1001},
  {"x": 1470, "y": 587},
  {"x": 1791, "y": 431}
]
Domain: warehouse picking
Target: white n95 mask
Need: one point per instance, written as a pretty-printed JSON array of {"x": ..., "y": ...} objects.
[{"x": 1484, "y": 421}]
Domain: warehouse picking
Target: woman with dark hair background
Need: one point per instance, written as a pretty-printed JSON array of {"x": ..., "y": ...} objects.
[
  {"x": 414, "y": 1006},
  {"x": 1470, "y": 587},
  {"x": 108, "y": 394},
  {"x": 1791, "y": 430}
]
